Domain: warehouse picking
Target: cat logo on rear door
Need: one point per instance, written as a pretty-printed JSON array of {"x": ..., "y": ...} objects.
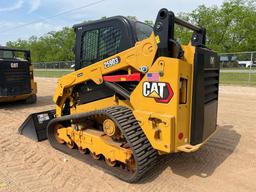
[
  {"x": 160, "y": 91},
  {"x": 14, "y": 65}
]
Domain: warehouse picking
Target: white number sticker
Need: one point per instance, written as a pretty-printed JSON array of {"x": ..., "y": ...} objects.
[{"x": 112, "y": 62}]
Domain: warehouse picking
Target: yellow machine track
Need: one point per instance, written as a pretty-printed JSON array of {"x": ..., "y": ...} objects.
[{"x": 143, "y": 154}]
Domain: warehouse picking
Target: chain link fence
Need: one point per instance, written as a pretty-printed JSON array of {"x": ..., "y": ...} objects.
[
  {"x": 236, "y": 68},
  {"x": 53, "y": 69}
]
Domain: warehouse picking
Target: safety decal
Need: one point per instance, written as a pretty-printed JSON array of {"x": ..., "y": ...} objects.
[
  {"x": 43, "y": 117},
  {"x": 160, "y": 91}
]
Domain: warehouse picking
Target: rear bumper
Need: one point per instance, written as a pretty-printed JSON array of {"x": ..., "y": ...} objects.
[
  {"x": 20, "y": 97},
  {"x": 188, "y": 148},
  {"x": 4, "y": 99}
]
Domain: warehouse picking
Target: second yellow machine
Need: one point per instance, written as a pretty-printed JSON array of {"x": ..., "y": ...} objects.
[{"x": 136, "y": 93}]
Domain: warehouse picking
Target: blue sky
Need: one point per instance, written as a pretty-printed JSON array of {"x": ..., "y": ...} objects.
[{"x": 19, "y": 12}]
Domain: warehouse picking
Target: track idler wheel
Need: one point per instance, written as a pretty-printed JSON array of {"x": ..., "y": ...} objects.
[{"x": 109, "y": 128}]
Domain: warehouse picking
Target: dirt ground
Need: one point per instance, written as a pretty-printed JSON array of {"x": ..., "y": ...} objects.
[{"x": 226, "y": 163}]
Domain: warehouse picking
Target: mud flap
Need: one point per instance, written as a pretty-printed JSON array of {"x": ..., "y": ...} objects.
[{"x": 34, "y": 127}]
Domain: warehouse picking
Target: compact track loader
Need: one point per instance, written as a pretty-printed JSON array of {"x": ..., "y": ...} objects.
[
  {"x": 16, "y": 76},
  {"x": 136, "y": 94}
]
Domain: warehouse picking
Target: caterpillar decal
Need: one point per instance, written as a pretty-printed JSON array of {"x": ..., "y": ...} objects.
[{"x": 160, "y": 91}]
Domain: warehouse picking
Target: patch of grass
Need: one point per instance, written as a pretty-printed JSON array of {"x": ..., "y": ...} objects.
[
  {"x": 238, "y": 79},
  {"x": 51, "y": 73}
]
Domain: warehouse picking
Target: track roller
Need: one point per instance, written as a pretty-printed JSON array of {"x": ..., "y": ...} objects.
[
  {"x": 110, "y": 163},
  {"x": 94, "y": 156}
]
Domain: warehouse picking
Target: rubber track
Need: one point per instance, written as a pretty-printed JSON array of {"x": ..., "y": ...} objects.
[{"x": 145, "y": 156}]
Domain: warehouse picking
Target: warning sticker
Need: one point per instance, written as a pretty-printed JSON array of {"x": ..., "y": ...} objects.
[{"x": 43, "y": 117}]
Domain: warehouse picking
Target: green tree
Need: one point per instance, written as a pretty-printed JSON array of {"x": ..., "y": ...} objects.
[
  {"x": 54, "y": 46},
  {"x": 230, "y": 27},
  {"x": 133, "y": 18},
  {"x": 149, "y": 22}
]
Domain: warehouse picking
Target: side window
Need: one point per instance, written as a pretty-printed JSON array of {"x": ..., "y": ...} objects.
[
  {"x": 99, "y": 44},
  {"x": 143, "y": 31},
  {"x": 89, "y": 47}
]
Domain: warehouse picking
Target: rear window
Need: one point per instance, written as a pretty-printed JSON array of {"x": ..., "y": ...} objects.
[
  {"x": 14, "y": 55},
  {"x": 143, "y": 31},
  {"x": 4, "y": 54}
]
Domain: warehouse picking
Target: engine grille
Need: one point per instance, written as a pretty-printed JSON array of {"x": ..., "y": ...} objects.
[
  {"x": 211, "y": 84},
  {"x": 15, "y": 76},
  {"x": 205, "y": 95}
]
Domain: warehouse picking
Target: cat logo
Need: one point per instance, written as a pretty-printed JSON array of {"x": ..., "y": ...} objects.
[
  {"x": 160, "y": 91},
  {"x": 14, "y": 65},
  {"x": 212, "y": 60}
]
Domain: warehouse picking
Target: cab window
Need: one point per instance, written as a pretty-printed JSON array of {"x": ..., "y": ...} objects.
[
  {"x": 143, "y": 31},
  {"x": 99, "y": 44}
]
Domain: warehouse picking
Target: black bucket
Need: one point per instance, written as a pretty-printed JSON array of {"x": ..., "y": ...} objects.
[{"x": 34, "y": 127}]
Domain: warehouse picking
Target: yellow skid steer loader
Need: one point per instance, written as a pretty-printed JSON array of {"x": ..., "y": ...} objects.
[{"x": 136, "y": 94}]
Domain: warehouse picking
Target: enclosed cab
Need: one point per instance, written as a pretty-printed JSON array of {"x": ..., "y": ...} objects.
[{"x": 16, "y": 76}]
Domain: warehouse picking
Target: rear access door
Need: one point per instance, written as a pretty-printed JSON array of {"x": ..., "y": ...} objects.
[
  {"x": 14, "y": 78},
  {"x": 205, "y": 95}
]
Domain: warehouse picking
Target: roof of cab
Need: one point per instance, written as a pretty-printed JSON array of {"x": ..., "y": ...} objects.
[
  {"x": 13, "y": 49},
  {"x": 120, "y": 18}
]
